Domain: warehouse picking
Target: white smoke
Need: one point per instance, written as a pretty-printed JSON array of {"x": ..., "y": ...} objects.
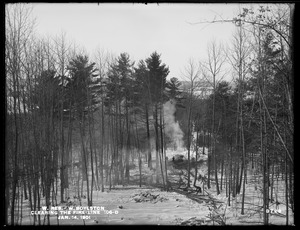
[
  {"x": 174, "y": 132},
  {"x": 172, "y": 128}
]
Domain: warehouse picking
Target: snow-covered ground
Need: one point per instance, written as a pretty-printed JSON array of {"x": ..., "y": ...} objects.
[
  {"x": 121, "y": 207},
  {"x": 125, "y": 210},
  {"x": 174, "y": 208},
  {"x": 253, "y": 212}
]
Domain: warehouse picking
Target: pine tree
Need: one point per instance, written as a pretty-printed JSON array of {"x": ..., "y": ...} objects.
[
  {"x": 142, "y": 95},
  {"x": 173, "y": 90},
  {"x": 82, "y": 85},
  {"x": 157, "y": 82}
]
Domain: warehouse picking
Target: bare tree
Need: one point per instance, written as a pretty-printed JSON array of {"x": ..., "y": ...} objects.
[
  {"x": 213, "y": 71},
  {"x": 238, "y": 57},
  {"x": 103, "y": 62},
  {"x": 62, "y": 52},
  {"x": 19, "y": 28},
  {"x": 192, "y": 75}
]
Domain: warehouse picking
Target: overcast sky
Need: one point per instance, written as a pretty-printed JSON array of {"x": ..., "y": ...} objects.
[{"x": 140, "y": 29}]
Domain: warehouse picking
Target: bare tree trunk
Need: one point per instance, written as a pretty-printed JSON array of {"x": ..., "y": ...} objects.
[
  {"x": 148, "y": 137},
  {"x": 234, "y": 177},
  {"x": 222, "y": 172},
  {"x": 213, "y": 131},
  {"x": 286, "y": 191},
  {"x": 165, "y": 158},
  {"x": 209, "y": 161},
  {"x": 156, "y": 142},
  {"x": 244, "y": 163},
  {"x": 161, "y": 146},
  {"x": 230, "y": 174},
  {"x": 138, "y": 149},
  {"x": 102, "y": 146},
  {"x": 84, "y": 156},
  {"x": 127, "y": 173},
  {"x": 196, "y": 160},
  {"x": 189, "y": 140},
  {"x": 90, "y": 200},
  {"x": 263, "y": 164}
]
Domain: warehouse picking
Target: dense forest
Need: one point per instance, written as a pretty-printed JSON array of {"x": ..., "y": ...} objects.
[{"x": 76, "y": 123}]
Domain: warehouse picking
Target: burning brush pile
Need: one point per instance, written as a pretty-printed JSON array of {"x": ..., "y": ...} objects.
[{"x": 147, "y": 196}]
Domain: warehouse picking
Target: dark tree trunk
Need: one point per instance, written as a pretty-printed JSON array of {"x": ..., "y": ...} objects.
[{"x": 148, "y": 137}]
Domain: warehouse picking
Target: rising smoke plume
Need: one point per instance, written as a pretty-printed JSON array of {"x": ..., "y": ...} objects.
[{"x": 172, "y": 127}]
